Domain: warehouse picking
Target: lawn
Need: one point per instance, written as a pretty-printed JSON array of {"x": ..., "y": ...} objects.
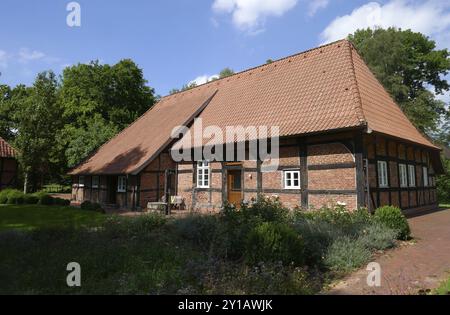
[
  {"x": 262, "y": 249},
  {"x": 444, "y": 289},
  {"x": 29, "y": 217}
]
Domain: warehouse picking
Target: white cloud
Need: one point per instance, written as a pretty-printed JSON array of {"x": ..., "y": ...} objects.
[
  {"x": 317, "y": 5},
  {"x": 204, "y": 79},
  {"x": 249, "y": 15},
  {"x": 25, "y": 55},
  {"x": 430, "y": 17},
  {"x": 3, "y": 59}
]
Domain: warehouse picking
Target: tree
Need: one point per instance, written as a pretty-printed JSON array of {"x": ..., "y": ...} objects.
[
  {"x": 226, "y": 73},
  {"x": 408, "y": 65},
  {"x": 38, "y": 117},
  {"x": 100, "y": 96},
  {"x": 223, "y": 74}
]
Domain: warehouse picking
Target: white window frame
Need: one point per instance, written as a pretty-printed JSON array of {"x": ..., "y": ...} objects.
[
  {"x": 203, "y": 174},
  {"x": 95, "y": 185},
  {"x": 81, "y": 181},
  {"x": 289, "y": 177},
  {"x": 412, "y": 176},
  {"x": 383, "y": 180},
  {"x": 122, "y": 184},
  {"x": 403, "y": 174},
  {"x": 426, "y": 180}
]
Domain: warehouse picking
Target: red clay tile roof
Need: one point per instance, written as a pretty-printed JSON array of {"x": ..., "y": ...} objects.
[
  {"x": 6, "y": 150},
  {"x": 323, "y": 89},
  {"x": 142, "y": 141}
]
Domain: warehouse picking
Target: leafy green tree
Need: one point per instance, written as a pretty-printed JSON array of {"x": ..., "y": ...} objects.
[
  {"x": 38, "y": 119},
  {"x": 226, "y": 73},
  {"x": 100, "y": 96},
  {"x": 84, "y": 141},
  {"x": 408, "y": 65}
]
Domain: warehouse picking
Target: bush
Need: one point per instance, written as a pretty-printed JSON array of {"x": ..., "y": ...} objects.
[
  {"x": 31, "y": 199},
  {"x": 15, "y": 197},
  {"x": 134, "y": 227},
  {"x": 4, "y": 195},
  {"x": 44, "y": 198},
  {"x": 346, "y": 254},
  {"x": 378, "y": 237},
  {"x": 200, "y": 229},
  {"x": 393, "y": 217},
  {"x": 91, "y": 206},
  {"x": 61, "y": 202},
  {"x": 267, "y": 209},
  {"x": 274, "y": 242}
]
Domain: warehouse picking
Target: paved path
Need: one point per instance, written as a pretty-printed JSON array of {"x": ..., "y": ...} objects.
[{"x": 412, "y": 267}]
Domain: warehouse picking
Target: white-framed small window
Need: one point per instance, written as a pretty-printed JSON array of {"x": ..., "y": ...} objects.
[
  {"x": 383, "y": 180},
  {"x": 203, "y": 174},
  {"x": 95, "y": 181},
  {"x": 291, "y": 179},
  {"x": 81, "y": 181},
  {"x": 425, "y": 176},
  {"x": 121, "y": 184},
  {"x": 412, "y": 175},
  {"x": 403, "y": 175}
]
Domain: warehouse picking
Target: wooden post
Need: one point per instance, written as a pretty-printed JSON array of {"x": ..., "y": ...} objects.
[{"x": 360, "y": 183}]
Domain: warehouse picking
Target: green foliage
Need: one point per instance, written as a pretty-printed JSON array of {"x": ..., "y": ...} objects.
[
  {"x": 274, "y": 242},
  {"x": 31, "y": 199},
  {"x": 406, "y": 63},
  {"x": 140, "y": 226},
  {"x": 44, "y": 198},
  {"x": 346, "y": 254},
  {"x": 393, "y": 218},
  {"x": 4, "y": 194},
  {"x": 91, "y": 206},
  {"x": 200, "y": 229},
  {"x": 378, "y": 237},
  {"x": 15, "y": 197},
  {"x": 443, "y": 183}
]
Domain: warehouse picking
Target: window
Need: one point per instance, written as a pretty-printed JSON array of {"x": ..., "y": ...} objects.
[
  {"x": 382, "y": 174},
  {"x": 403, "y": 175},
  {"x": 95, "y": 181},
  {"x": 292, "y": 179},
  {"x": 425, "y": 177},
  {"x": 412, "y": 175},
  {"x": 203, "y": 174},
  {"x": 81, "y": 181},
  {"x": 122, "y": 184}
]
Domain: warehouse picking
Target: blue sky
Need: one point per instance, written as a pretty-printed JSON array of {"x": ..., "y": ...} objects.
[{"x": 177, "y": 41}]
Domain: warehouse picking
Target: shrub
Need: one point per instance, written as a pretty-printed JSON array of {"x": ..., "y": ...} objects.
[
  {"x": 16, "y": 197},
  {"x": 378, "y": 237},
  {"x": 44, "y": 198},
  {"x": 393, "y": 217},
  {"x": 61, "y": 202},
  {"x": 136, "y": 227},
  {"x": 318, "y": 235},
  {"x": 200, "y": 229},
  {"x": 91, "y": 206},
  {"x": 31, "y": 199},
  {"x": 346, "y": 254},
  {"x": 273, "y": 242},
  {"x": 268, "y": 209},
  {"x": 4, "y": 195}
]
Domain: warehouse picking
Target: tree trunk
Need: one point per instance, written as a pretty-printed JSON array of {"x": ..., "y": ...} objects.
[{"x": 25, "y": 183}]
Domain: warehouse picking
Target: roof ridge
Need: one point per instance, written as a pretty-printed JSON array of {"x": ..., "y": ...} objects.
[
  {"x": 255, "y": 68},
  {"x": 359, "y": 105}
]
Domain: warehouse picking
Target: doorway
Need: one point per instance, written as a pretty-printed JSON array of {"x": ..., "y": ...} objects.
[
  {"x": 112, "y": 190},
  {"x": 234, "y": 185}
]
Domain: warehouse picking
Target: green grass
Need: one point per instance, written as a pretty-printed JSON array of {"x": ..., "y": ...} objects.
[
  {"x": 444, "y": 289},
  {"x": 445, "y": 205},
  {"x": 29, "y": 217}
]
